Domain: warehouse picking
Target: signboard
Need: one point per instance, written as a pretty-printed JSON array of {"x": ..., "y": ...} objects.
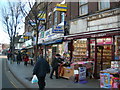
[
  {"x": 61, "y": 7},
  {"x": 25, "y": 37},
  {"x": 101, "y": 41},
  {"x": 58, "y": 29},
  {"x": 32, "y": 22},
  {"x": 41, "y": 37},
  {"x": 41, "y": 27},
  {"x": 82, "y": 73},
  {"x": 103, "y": 15},
  {"x": 28, "y": 43},
  {"x": 105, "y": 80},
  {"x": 28, "y": 34},
  {"x": 41, "y": 15}
]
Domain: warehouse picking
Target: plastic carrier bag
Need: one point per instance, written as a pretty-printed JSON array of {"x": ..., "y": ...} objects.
[{"x": 34, "y": 79}]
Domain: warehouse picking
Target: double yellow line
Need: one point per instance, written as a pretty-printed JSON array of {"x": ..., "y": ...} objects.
[{"x": 11, "y": 81}]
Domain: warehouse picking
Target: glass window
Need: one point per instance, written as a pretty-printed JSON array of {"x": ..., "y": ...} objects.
[
  {"x": 55, "y": 18},
  {"x": 83, "y": 7},
  {"x": 62, "y": 17},
  {"x": 50, "y": 20},
  {"x": 104, "y": 4}
]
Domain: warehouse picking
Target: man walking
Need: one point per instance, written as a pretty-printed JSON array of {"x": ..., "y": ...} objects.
[
  {"x": 55, "y": 63},
  {"x": 40, "y": 70},
  {"x": 19, "y": 58}
]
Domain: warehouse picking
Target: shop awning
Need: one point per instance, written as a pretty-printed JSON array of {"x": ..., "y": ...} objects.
[
  {"x": 53, "y": 42},
  {"x": 94, "y": 34}
]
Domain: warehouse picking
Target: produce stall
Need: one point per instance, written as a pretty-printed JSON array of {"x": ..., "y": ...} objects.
[{"x": 67, "y": 72}]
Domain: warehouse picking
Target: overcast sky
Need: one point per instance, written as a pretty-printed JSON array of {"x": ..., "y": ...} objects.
[{"x": 4, "y": 38}]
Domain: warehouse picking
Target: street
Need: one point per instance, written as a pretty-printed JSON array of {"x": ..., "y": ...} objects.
[{"x": 7, "y": 79}]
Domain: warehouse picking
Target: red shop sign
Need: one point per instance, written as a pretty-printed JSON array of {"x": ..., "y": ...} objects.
[{"x": 107, "y": 40}]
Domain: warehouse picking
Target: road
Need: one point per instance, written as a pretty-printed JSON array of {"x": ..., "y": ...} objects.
[{"x": 6, "y": 78}]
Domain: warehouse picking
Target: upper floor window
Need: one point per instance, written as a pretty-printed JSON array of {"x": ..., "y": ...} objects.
[
  {"x": 83, "y": 7},
  {"x": 104, "y": 4},
  {"x": 62, "y": 16},
  {"x": 55, "y": 17},
  {"x": 50, "y": 20}
]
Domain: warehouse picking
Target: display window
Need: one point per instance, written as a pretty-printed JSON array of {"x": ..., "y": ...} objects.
[
  {"x": 80, "y": 49},
  {"x": 104, "y": 52},
  {"x": 117, "y": 48}
]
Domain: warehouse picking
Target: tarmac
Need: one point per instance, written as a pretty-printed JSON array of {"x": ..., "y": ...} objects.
[{"x": 24, "y": 74}]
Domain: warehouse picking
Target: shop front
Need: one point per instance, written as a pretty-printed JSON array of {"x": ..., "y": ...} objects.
[
  {"x": 99, "y": 48},
  {"x": 52, "y": 43},
  {"x": 52, "y": 48}
]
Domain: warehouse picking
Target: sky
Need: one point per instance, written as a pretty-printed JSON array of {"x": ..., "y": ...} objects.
[{"x": 4, "y": 38}]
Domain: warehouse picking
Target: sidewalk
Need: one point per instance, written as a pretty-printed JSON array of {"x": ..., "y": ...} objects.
[{"x": 23, "y": 74}]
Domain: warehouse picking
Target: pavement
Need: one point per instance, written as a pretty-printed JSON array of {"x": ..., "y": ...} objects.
[{"x": 24, "y": 74}]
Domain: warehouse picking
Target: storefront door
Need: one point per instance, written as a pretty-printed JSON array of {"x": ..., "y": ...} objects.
[
  {"x": 104, "y": 56},
  {"x": 103, "y": 53}
]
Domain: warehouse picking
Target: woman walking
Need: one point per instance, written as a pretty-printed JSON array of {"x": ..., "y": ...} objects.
[{"x": 25, "y": 59}]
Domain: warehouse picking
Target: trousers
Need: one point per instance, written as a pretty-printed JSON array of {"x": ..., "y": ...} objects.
[
  {"x": 56, "y": 72},
  {"x": 41, "y": 82}
]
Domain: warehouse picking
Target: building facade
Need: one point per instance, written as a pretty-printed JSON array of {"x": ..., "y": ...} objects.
[{"x": 84, "y": 30}]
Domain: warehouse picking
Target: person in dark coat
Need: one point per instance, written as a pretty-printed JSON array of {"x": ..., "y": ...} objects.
[
  {"x": 55, "y": 63},
  {"x": 19, "y": 58},
  {"x": 41, "y": 68}
]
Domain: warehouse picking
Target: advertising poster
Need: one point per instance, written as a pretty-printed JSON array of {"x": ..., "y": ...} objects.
[
  {"x": 82, "y": 73},
  {"x": 106, "y": 80}
]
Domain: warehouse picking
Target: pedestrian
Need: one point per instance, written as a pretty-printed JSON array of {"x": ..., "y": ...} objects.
[
  {"x": 8, "y": 54},
  {"x": 41, "y": 68},
  {"x": 10, "y": 58},
  {"x": 19, "y": 58},
  {"x": 25, "y": 59},
  {"x": 55, "y": 64}
]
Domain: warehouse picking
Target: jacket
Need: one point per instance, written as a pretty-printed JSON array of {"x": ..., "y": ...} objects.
[
  {"x": 19, "y": 58},
  {"x": 25, "y": 58},
  {"x": 55, "y": 62},
  {"x": 41, "y": 67}
]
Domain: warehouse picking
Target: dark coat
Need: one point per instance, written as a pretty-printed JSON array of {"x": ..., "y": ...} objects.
[
  {"x": 55, "y": 62},
  {"x": 19, "y": 58},
  {"x": 41, "y": 67}
]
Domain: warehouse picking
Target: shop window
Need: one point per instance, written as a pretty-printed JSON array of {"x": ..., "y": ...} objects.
[
  {"x": 55, "y": 17},
  {"x": 83, "y": 7},
  {"x": 117, "y": 48},
  {"x": 80, "y": 49},
  {"x": 50, "y": 20},
  {"x": 104, "y": 4}
]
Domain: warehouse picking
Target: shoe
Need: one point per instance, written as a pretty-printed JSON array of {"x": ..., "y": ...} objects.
[{"x": 51, "y": 78}]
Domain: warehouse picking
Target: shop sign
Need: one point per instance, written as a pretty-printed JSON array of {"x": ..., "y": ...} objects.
[
  {"x": 25, "y": 37},
  {"x": 51, "y": 36},
  {"x": 28, "y": 43},
  {"x": 61, "y": 7},
  {"x": 41, "y": 15},
  {"x": 32, "y": 22},
  {"x": 101, "y": 41},
  {"x": 41, "y": 34},
  {"x": 99, "y": 35},
  {"x": 105, "y": 14},
  {"x": 48, "y": 32},
  {"x": 28, "y": 34},
  {"x": 41, "y": 37},
  {"x": 58, "y": 29},
  {"x": 34, "y": 41},
  {"x": 41, "y": 27}
]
